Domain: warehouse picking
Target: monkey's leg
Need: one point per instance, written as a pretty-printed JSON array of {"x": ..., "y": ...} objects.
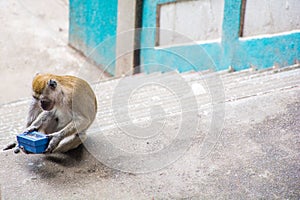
[
  {"x": 70, "y": 142},
  {"x": 74, "y": 127}
]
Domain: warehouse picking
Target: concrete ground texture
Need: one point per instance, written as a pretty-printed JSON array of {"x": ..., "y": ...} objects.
[{"x": 206, "y": 135}]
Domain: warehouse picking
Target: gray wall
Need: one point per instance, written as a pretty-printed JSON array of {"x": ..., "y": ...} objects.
[
  {"x": 202, "y": 19},
  {"x": 271, "y": 16}
]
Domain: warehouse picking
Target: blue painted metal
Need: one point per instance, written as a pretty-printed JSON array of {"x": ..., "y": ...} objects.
[
  {"x": 231, "y": 50},
  {"x": 93, "y": 27}
]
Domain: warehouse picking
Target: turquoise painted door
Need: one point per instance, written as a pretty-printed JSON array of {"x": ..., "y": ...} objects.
[
  {"x": 93, "y": 29},
  {"x": 230, "y": 50}
]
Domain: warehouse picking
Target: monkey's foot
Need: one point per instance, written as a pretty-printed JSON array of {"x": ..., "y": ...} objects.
[
  {"x": 24, "y": 150},
  {"x": 54, "y": 141},
  {"x": 17, "y": 150}
]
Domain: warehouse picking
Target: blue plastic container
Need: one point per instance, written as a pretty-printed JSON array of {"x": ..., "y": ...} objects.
[{"x": 34, "y": 142}]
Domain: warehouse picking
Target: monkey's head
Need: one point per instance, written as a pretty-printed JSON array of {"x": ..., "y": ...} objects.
[{"x": 46, "y": 90}]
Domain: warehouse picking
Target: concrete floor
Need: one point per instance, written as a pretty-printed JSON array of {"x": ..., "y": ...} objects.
[{"x": 255, "y": 156}]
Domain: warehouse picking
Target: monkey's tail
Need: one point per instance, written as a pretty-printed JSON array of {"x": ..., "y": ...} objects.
[{"x": 10, "y": 146}]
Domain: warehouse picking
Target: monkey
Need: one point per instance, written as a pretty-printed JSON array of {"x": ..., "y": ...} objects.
[{"x": 63, "y": 107}]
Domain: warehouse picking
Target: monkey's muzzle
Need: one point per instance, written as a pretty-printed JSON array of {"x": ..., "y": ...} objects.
[{"x": 46, "y": 104}]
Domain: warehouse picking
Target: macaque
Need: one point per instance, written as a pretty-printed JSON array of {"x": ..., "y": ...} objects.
[{"x": 63, "y": 107}]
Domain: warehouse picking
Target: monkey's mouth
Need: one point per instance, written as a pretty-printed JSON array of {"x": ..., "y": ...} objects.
[{"x": 47, "y": 104}]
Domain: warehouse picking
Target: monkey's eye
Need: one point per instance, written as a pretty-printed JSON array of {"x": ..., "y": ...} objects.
[
  {"x": 52, "y": 84},
  {"x": 35, "y": 97}
]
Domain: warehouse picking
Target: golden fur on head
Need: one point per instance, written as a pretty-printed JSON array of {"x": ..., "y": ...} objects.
[{"x": 40, "y": 81}]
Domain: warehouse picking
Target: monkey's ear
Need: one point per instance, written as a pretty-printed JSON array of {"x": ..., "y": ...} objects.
[{"x": 52, "y": 84}]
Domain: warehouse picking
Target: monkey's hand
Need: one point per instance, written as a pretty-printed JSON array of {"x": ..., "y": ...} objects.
[
  {"x": 22, "y": 149},
  {"x": 55, "y": 138},
  {"x": 31, "y": 128}
]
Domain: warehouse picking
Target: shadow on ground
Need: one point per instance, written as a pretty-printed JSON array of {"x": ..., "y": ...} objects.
[{"x": 72, "y": 165}]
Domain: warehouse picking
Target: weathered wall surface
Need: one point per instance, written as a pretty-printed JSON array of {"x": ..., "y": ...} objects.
[
  {"x": 271, "y": 16},
  {"x": 93, "y": 27},
  {"x": 203, "y": 34},
  {"x": 197, "y": 20},
  {"x": 200, "y": 20},
  {"x": 232, "y": 47}
]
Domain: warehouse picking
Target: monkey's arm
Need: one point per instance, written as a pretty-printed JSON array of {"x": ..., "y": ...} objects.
[
  {"x": 75, "y": 126},
  {"x": 41, "y": 119},
  {"x": 34, "y": 111}
]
